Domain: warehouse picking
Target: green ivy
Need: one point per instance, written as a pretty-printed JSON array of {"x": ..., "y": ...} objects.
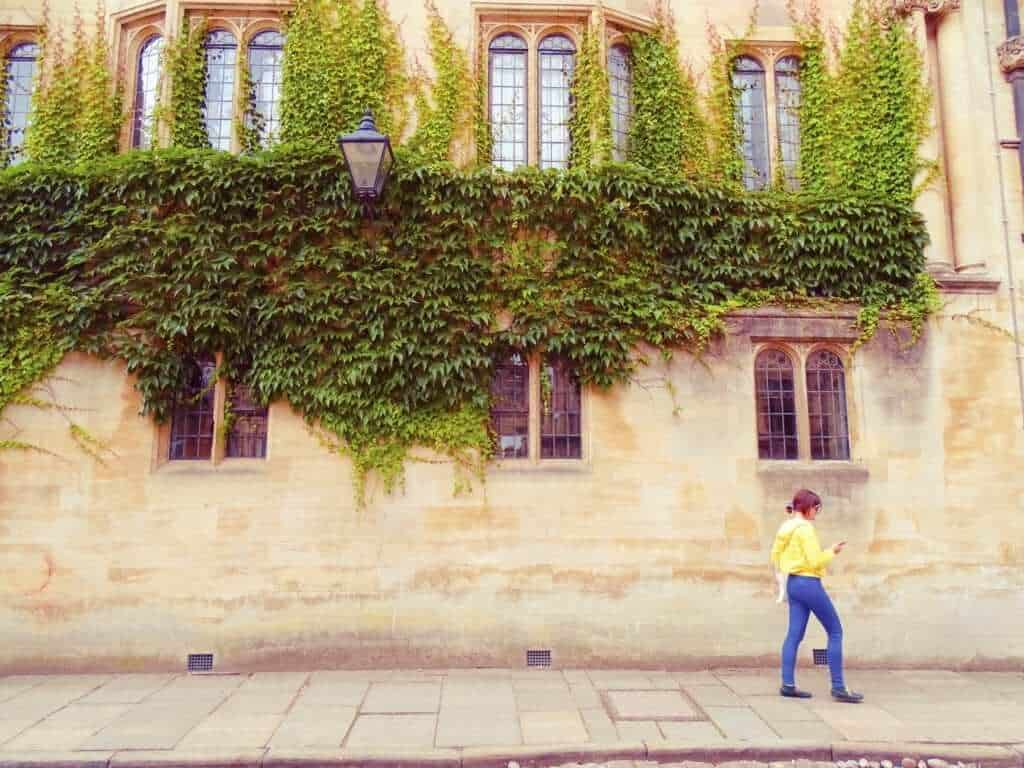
[
  {"x": 668, "y": 131},
  {"x": 185, "y": 67},
  {"x": 384, "y": 334},
  {"x": 590, "y": 126},
  {"x": 862, "y": 124},
  {"x": 447, "y": 111},
  {"x": 76, "y": 108}
]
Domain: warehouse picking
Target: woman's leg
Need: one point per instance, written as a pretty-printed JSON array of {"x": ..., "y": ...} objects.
[
  {"x": 821, "y": 605},
  {"x": 799, "y": 612}
]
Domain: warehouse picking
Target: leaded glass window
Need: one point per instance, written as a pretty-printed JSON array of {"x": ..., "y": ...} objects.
[
  {"x": 266, "y": 52},
  {"x": 557, "y": 58},
  {"x": 748, "y": 81},
  {"x": 219, "y": 105},
  {"x": 620, "y": 81},
  {"x": 19, "y": 81},
  {"x": 826, "y": 406},
  {"x": 776, "y": 405},
  {"x": 507, "y": 79},
  {"x": 561, "y": 429},
  {"x": 147, "y": 82},
  {"x": 192, "y": 421},
  {"x": 787, "y": 108},
  {"x": 510, "y": 408},
  {"x": 247, "y": 438}
]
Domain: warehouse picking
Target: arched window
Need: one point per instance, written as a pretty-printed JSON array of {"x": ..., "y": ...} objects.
[
  {"x": 510, "y": 408},
  {"x": 192, "y": 421},
  {"x": 219, "y": 105},
  {"x": 620, "y": 80},
  {"x": 18, "y": 84},
  {"x": 748, "y": 82},
  {"x": 557, "y": 58},
  {"x": 776, "y": 405},
  {"x": 507, "y": 78},
  {"x": 147, "y": 80},
  {"x": 787, "y": 109},
  {"x": 561, "y": 428},
  {"x": 826, "y": 406},
  {"x": 266, "y": 51}
]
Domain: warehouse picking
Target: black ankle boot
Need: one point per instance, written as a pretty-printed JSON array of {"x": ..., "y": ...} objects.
[
  {"x": 792, "y": 692},
  {"x": 845, "y": 694}
]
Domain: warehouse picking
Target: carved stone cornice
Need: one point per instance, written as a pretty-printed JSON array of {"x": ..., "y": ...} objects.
[
  {"x": 1011, "y": 54},
  {"x": 934, "y": 8}
]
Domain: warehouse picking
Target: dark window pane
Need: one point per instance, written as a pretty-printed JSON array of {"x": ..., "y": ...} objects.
[
  {"x": 219, "y": 106},
  {"x": 192, "y": 420},
  {"x": 510, "y": 408},
  {"x": 147, "y": 80},
  {"x": 557, "y": 59},
  {"x": 620, "y": 82},
  {"x": 508, "y": 109},
  {"x": 826, "y": 402},
  {"x": 247, "y": 438},
  {"x": 561, "y": 407},
  {"x": 19, "y": 82},
  {"x": 748, "y": 82},
  {"x": 266, "y": 52},
  {"x": 776, "y": 405}
]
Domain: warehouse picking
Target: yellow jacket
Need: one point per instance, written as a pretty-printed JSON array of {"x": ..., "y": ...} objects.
[{"x": 796, "y": 550}]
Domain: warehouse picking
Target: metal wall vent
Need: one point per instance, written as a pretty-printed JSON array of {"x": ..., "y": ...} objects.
[
  {"x": 538, "y": 658},
  {"x": 820, "y": 657},
  {"x": 200, "y": 662}
]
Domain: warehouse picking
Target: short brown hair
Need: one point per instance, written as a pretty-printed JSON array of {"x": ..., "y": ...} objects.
[{"x": 805, "y": 499}]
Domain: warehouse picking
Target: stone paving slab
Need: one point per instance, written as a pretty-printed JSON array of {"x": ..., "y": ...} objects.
[{"x": 493, "y": 711}]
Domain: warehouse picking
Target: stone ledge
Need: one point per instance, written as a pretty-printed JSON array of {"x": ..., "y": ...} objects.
[
  {"x": 361, "y": 758},
  {"x": 55, "y": 759},
  {"x": 197, "y": 758},
  {"x": 966, "y": 283},
  {"x": 754, "y": 751},
  {"x": 553, "y": 754},
  {"x": 848, "y": 470}
]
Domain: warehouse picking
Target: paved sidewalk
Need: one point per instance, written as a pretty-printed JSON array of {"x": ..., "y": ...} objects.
[{"x": 452, "y": 717}]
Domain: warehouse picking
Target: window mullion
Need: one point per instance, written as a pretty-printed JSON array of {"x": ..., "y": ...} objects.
[
  {"x": 219, "y": 403},
  {"x": 803, "y": 419}
]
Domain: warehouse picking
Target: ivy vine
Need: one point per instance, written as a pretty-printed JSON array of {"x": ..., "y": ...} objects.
[
  {"x": 185, "y": 66},
  {"x": 590, "y": 126}
]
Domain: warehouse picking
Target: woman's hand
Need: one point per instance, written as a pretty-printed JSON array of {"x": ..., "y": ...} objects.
[{"x": 837, "y": 548}]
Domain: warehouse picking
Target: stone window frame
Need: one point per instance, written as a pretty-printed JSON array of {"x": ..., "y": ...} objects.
[
  {"x": 533, "y": 23},
  {"x": 162, "y": 461},
  {"x": 244, "y": 21},
  {"x": 533, "y": 461},
  {"x": 132, "y": 30},
  {"x": 767, "y": 53},
  {"x": 11, "y": 36},
  {"x": 799, "y": 353}
]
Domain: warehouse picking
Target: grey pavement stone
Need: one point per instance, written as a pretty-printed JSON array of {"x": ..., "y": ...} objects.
[
  {"x": 557, "y": 727},
  {"x": 860, "y": 722},
  {"x": 696, "y": 677},
  {"x": 126, "y": 689},
  {"x": 650, "y": 705},
  {"x": 638, "y": 730},
  {"x": 205, "y": 758},
  {"x": 323, "y": 727},
  {"x": 610, "y": 680},
  {"x": 585, "y": 696},
  {"x": 220, "y": 730},
  {"x": 496, "y": 696},
  {"x": 674, "y": 730},
  {"x": 13, "y": 685},
  {"x": 477, "y": 728},
  {"x": 714, "y": 696},
  {"x": 774, "y": 708},
  {"x": 193, "y": 687},
  {"x": 257, "y": 702},
  {"x": 741, "y": 724},
  {"x": 599, "y": 726},
  {"x": 805, "y": 730},
  {"x": 274, "y": 681},
  {"x": 751, "y": 685},
  {"x": 576, "y": 676},
  {"x": 396, "y": 698},
  {"x": 540, "y": 681},
  {"x": 344, "y": 693},
  {"x": 546, "y": 700},
  {"x": 11, "y": 728},
  {"x": 151, "y": 726},
  {"x": 392, "y": 731},
  {"x": 47, "y": 739}
]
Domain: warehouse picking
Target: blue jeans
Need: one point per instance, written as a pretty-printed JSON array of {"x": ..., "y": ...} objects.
[{"x": 807, "y": 596}]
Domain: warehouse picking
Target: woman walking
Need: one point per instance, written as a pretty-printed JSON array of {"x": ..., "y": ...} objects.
[{"x": 796, "y": 552}]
